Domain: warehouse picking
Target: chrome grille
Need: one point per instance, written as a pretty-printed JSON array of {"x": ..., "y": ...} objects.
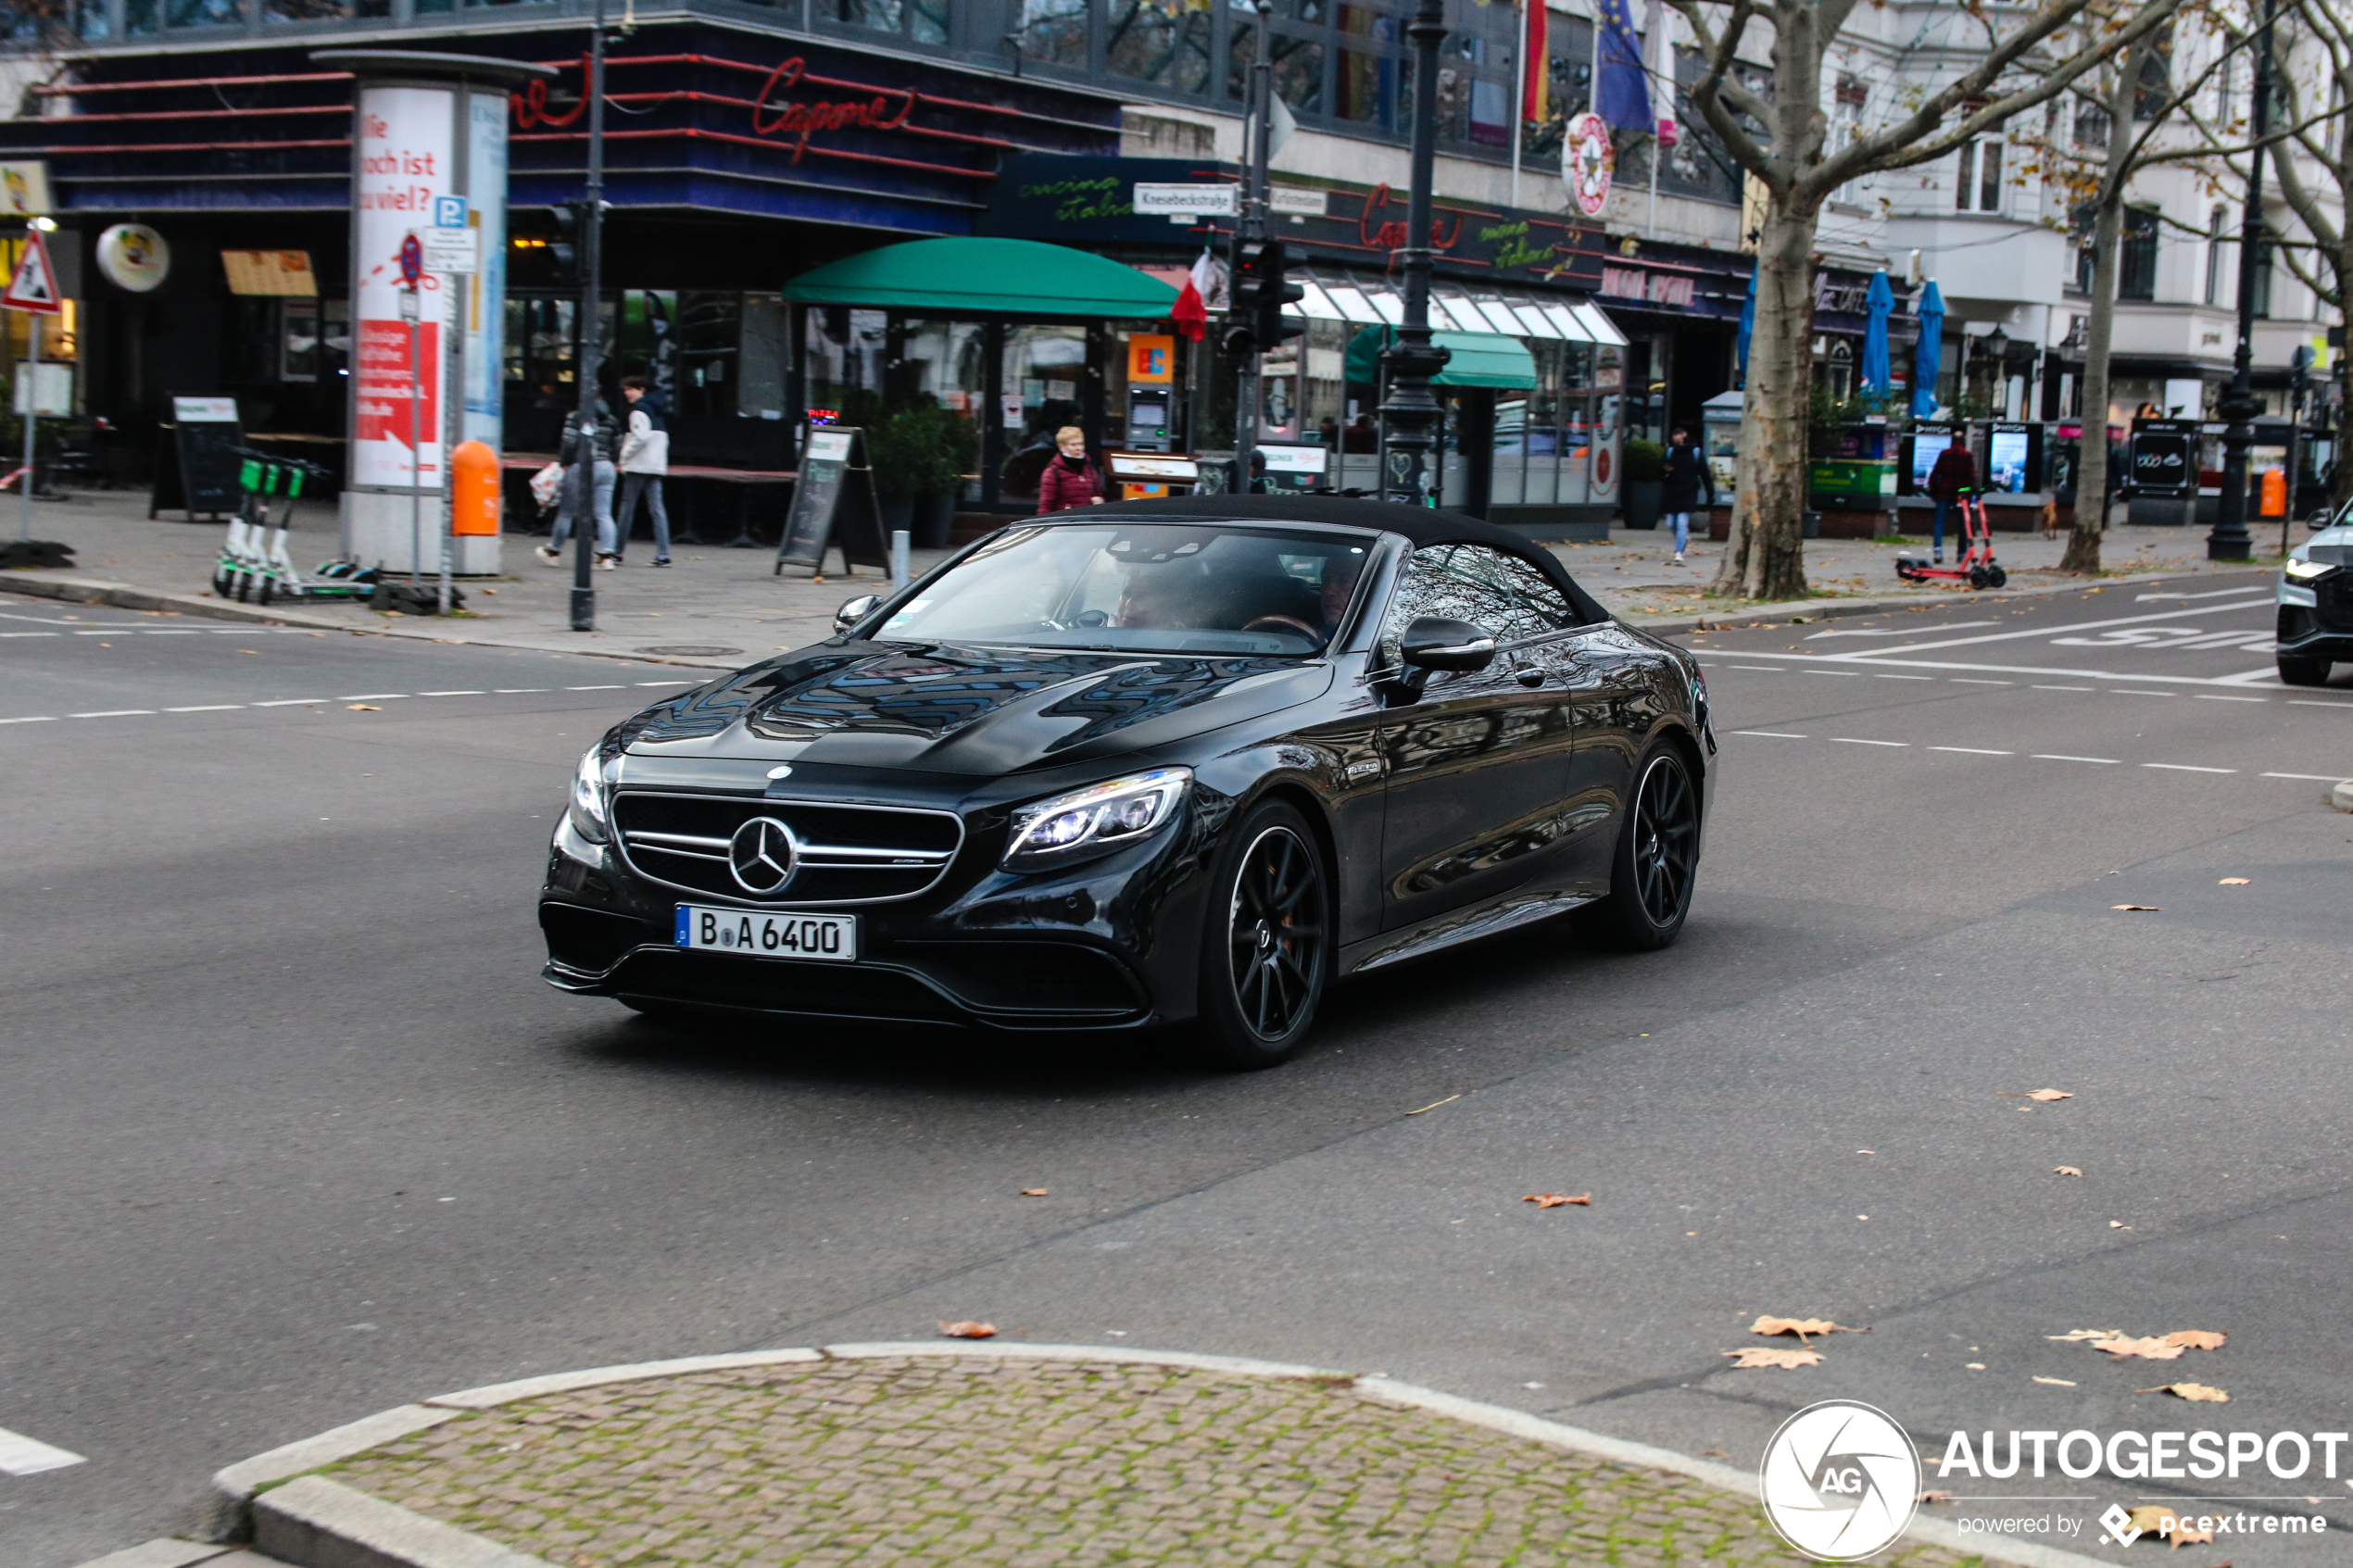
[{"x": 846, "y": 854}]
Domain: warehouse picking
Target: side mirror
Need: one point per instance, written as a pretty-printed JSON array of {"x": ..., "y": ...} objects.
[
  {"x": 1435, "y": 642},
  {"x": 2318, "y": 520},
  {"x": 852, "y": 611}
]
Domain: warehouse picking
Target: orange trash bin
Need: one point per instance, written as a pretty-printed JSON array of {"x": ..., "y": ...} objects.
[
  {"x": 473, "y": 502},
  {"x": 2274, "y": 492}
]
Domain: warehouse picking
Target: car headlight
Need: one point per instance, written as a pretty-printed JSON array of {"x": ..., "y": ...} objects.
[
  {"x": 1103, "y": 817},
  {"x": 2309, "y": 570},
  {"x": 589, "y": 810}
]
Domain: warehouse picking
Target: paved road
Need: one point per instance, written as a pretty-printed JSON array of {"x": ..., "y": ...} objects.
[{"x": 293, "y": 1133}]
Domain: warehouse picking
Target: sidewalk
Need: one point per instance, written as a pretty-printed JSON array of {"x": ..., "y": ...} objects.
[
  {"x": 985, "y": 1453},
  {"x": 721, "y": 607}
]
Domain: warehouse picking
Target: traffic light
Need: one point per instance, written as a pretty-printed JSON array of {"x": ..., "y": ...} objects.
[
  {"x": 1261, "y": 292},
  {"x": 564, "y": 249}
]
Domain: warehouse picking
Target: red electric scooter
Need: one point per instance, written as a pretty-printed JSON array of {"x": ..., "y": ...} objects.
[{"x": 1974, "y": 565}]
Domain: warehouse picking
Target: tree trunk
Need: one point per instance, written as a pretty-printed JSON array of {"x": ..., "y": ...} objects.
[
  {"x": 2342, "y": 365},
  {"x": 2093, "y": 480},
  {"x": 1767, "y": 556}
]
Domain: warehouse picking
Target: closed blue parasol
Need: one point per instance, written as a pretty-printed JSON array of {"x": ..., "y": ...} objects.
[
  {"x": 1932, "y": 350},
  {"x": 1748, "y": 319},
  {"x": 1876, "y": 373}
]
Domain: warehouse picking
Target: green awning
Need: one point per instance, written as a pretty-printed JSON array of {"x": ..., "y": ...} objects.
[
  {"x": 983, "y": 277},
  {"x": 1480, "y": 358}
]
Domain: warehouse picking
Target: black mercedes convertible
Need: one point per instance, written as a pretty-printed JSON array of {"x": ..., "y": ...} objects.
[{"x": 1155, "y": 763}]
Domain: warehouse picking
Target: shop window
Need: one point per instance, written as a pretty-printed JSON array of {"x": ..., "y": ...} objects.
[
  {"x": 1053, "y": 30},
  {"x": 710, "y": 349},
  {"x": 314, "y": 339},
  {"x": 2136, "y": 270},
  {"x": 925, "y": 22},
  {"x": 645, "y": 340},
  {"x": 142, "y": 18},
  {"x": 202, "y": 13},
  {"x": 1045, "y": 369},
  {"x": 1323, "y": 402},
  {"x": 93, "y": 20},
  {"x": 1162, "y": 42},
  {"x": 759, "y": 395},
  {"x": 1298, "y": 62},
  {"x": 541, "y": 375},
  {"x": 1366, "y": 86},
  {"x": 2082, "y": 234},
  {"x": 324, "y": 10}
]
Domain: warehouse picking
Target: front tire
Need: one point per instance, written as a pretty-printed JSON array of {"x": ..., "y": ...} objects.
[
  {"x": 2303, "y": 672},
  {"x": 1265, "y": 942},
  {"x": 1658, "y": 859}
]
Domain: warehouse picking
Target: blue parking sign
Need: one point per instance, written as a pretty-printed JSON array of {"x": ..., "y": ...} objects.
[{"x": 448, "y": 212}]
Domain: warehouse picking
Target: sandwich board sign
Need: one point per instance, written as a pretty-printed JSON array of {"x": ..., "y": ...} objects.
[
  {"x": 34, "y": 286},
  {"x": 833, "y": 503}
]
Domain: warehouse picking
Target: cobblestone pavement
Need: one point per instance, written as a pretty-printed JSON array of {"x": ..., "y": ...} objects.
[{"x": 918, "y": 1460}]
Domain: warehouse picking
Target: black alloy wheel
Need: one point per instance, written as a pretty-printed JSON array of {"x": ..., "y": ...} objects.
[
  {"x": 1266, "y": 951},
  {"x": 1657, "y": 861}
]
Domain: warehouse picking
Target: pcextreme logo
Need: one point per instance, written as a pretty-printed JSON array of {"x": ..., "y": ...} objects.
[{"x": 1840, "y": 1480}]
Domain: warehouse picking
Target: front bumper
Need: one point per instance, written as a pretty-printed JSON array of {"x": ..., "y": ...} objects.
[
  {"x": 1109, "y": 943},
  {"x": 2314, "y": 626}
]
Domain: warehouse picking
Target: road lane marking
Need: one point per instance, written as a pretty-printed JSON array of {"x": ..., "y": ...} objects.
[
  {"x": 2067, "y": 688},
  {"x": 2054, "y": 632},
  {"x": 293, "y": 702},
  {"x": 459, "y": 694},
  {"x": 1966, "y": 681},
  {"x": 2211, "y": 593},
  {"x": 1769, "y": 734},
  {"x": 20, "y": 1455},
  {"x": 116, "y": 713},
  {"x": 1973, "y": 750},
  {"x": 2186, "y": 768},
  {"x": 2126, "y": 691},
  {"x": 35, "y": 718},
  {"x": 374, "y": 697},
  {"x": 673, "y": 681},
  {"x": 207, "y": 707},
  {"x": 1850, "y": 740},
  {"x": 516, "y": 690},
  {"x": 2309, "y": 702},
  {"x": 1916, "y": 631},
  {"x": 1829, "y": 673},
  {"x": 2316, "y": 778},
  {"x": 616, "y": 686},
  {"x": 1915, "y": 678},
  {"x": 2059, "y": 757},
  {"x": 1759, "y": 669},
  {"x": 2217, "y": 697}
]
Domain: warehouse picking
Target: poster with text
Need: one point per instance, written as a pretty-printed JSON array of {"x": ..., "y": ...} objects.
[
  {"x": 404, "y": 158},
  {"x": 486, "y": 296}
]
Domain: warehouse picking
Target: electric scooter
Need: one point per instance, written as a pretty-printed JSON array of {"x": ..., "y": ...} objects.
[
  {"x": 254, "y": 563},
  {"x": 1974, "y": 565}
]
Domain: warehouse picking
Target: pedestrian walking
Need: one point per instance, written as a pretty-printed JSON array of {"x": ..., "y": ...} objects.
[
  {"x": 1686, "y": 479},
  {"x": 1071, "y": 478},
  {"x": 645, "y": 458},
  {"x": 598, "y": 490},
  {"x": 1955, "y": 471}
]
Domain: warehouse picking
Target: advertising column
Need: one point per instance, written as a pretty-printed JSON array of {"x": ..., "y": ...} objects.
[{"x": 429, "y": 153}]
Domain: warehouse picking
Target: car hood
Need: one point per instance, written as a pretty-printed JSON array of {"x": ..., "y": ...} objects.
[
  {"x": 966, "y": 710},
  {"x": 2329, "y": 544}
]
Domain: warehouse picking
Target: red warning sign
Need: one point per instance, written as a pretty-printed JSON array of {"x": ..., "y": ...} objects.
[{"x": 35, "y": 287}]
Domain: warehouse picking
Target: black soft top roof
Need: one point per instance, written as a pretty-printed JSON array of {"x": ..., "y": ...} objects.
[{"x": 1423, "y": 526}]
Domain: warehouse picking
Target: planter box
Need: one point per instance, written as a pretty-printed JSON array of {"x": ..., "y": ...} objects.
[{"x": 1642, "y": 502}]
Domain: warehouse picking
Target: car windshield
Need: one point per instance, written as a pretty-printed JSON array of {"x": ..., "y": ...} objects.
[{"x": 1195, "y": 588}]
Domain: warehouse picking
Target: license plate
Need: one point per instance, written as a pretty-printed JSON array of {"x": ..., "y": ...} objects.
[{"x": 830, "y": 938}]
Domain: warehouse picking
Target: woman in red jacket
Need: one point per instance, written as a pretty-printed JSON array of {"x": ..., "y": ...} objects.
[{"x": 1070, "y": 480}]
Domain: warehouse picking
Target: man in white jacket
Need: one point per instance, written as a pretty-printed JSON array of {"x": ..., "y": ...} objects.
[{"x": 645, "y": 458}]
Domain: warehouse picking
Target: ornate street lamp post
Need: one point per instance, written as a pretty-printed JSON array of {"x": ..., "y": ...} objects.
[
  {"x": 1409, "y": 414},
  {"x": 2229, "y": 540}
]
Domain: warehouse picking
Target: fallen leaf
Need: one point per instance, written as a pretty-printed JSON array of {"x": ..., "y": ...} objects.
[
  {"x": 2117, "y": 1226},
  {"x": 2233, "y": 882},
  {"x": 2055, "y": 1382},
  {"x": 2065, "y": 1170},
  {"x": 2153, "y": 1347},
  {"x": 969, "y": 1330},
  {"x": 492, "y": 592},
  {"x": 2074, "y": 1333},
  {"x": 2196, "y": 1338},
  {"x": 1554, "y": 1200},
  {"x": 1801, "y": 1326},
  {"x": 1435, "y": 1104},
  {"x": 2150, "y": 909},
  {"x": 2165, "y": 1519},
  {"x": 1036, "y": 1192},
  {"x": 2047, "y": 1095},
  {"x": 2202, "y": 1393},
  {"x": 361, "y": 707},
  {"x": 1767, "y": 1356},
  {"x": 1934, "y": 1497}
]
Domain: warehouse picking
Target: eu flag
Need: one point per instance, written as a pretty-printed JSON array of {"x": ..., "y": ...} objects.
[{"x": 1622, "y": 96}]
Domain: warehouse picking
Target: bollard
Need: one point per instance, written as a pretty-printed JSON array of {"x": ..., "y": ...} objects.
[{"x": 899, "y": 577}]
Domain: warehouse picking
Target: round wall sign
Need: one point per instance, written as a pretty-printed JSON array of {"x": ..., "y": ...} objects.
[
  {"x": 133, "y": 256},
  {"x": 1587, "y": 162}
]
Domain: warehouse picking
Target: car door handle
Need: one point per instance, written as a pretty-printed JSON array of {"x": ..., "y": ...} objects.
[{"x": 1529, "y": 677}]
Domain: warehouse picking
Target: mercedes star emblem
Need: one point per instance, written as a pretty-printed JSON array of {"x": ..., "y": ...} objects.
[{"x": 762, "y": 855}]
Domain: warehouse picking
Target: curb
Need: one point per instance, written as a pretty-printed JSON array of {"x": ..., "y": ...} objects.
[
  {"x": 1791, "y": 610},
  {"x": 309, "y": 1520},
  {"x": 123, "y": 595}
]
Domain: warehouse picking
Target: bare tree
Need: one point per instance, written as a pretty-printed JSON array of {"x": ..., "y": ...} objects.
[
  {"x": 2029, "y": 57},
  {"x": 2319, "y": 136}
]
